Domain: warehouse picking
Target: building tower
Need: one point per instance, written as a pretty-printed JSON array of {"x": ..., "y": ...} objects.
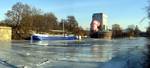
[
  {"x": 102, "y": 19},
  {"x": 99, "y": 26}
]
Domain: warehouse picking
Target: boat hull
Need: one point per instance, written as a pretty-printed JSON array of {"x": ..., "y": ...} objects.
[{"x": 35, "y": 37}]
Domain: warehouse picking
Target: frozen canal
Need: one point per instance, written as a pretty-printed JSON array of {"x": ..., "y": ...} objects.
[{"x": 88, "y": 53}]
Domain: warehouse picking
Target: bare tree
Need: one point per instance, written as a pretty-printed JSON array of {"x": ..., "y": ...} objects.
[
  {"x": 116, "y": 30},
  {"x": 148, "y": 14},
  {"x": 18, "y": 11},
  {"x": 72, "y": 23}
]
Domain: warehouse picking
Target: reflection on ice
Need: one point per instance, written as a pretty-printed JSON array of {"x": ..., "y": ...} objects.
[
  {"x": 90, "y": 55},
  {"x": 59, "y": 43},
  {"x": 91, "y": 52}
]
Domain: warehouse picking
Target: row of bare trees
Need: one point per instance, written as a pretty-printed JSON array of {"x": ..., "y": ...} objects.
[
  {"x": 25, "y": 20},
  {"x": 118, "y": 32},
  {"x": 132, "y": 30}
]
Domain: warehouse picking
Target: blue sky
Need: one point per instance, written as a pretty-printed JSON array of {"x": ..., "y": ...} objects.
[{"x": 123, "y": 12}]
